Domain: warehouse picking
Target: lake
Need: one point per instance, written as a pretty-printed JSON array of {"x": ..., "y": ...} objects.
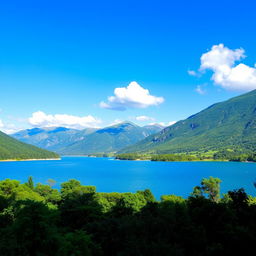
[{"x": 110, "y": 175}]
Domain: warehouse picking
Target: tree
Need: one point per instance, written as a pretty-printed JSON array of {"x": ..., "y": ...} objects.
[
  {"x": 148, "y": 195},
  {"x": 50, "y": 195},
  {"x": 239, "y": 198},
  {"x": 7, "y": 187},
  {"x": 197, "y": 191},
  {"x": 211, "y": 187},
  {"x": 34, "y": 230},
  {"x": 30, "y": 183},
  {"x": 68, "y": 187},
  {"x": 78, "y": 243}
]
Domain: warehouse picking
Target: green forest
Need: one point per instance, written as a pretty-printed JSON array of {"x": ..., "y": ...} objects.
[
  {"x": 223, "y": 155},
  {"x": 11, "y": 148},
  {"x": 36, "y": 219}
]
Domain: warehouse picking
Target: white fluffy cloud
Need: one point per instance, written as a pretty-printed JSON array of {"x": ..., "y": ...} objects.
[
  {"x": 144, "y": 118},
  {"x": 132, "y": 96},
  {"x": 40, "y": 119},
  {"x": 221, "y": 60}
]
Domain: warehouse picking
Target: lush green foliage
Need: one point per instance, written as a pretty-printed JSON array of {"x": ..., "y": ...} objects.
[
  {"x": 174, "y": 157},
  {"x": 218, "y": 156},
  {"x": 40, "y": 220},
  {"x": 13, "y": 149},
  {"x": 211, "y": 187},
  {"x": 132, "y": 156},
  {"x": 160, "y": 157},
  {"x": 226, "y": 125},
  {"x": 237, "y": 156}
]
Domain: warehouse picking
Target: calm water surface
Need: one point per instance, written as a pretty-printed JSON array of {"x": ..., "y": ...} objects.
[{"x": 110, "y": 175}]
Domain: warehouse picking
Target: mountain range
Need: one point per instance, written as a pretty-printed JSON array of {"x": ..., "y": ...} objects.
[
  {"x": 11, "y": 148},
  {"x": 226, "y": 125},
  {"x": 88, "y": 141}
]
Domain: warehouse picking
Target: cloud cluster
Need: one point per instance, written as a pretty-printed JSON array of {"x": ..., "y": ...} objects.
[
  {"x": 40, "y": 119},
  {"x": 132, "y": 96},
  {"x": 144, "y": 118},
  {"x": 221, "y": 60}
]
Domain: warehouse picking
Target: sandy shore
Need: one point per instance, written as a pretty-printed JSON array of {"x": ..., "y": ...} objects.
[{"x": 18, "y": 160}]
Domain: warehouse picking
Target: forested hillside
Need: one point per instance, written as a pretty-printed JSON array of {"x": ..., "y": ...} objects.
[
  {"x": 11, "y": 148},
  {"x": 229, "y": 125}
]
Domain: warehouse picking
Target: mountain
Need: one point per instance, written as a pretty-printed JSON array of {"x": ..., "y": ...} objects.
[
  {"x": 11, "y": 148},
  {"x": 153, "y": 128},
  {"x": 226, "y": 125},
  {"x": 109, "y": 139},
  {"x": 52, "y": 138}
]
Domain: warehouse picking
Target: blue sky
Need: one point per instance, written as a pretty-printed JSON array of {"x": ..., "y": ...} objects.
[{"x": 64, "y": 58}]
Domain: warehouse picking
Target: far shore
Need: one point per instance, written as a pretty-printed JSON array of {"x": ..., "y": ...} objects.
[{"x": 22, "y": 160}]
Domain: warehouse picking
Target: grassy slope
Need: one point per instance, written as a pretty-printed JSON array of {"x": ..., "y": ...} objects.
[{"x": 11, "y": 148}]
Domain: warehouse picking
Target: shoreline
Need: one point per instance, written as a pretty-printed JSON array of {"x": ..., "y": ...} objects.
[
  {"x": 32, "y": 159},
  {"x": 205, "y": 160}
]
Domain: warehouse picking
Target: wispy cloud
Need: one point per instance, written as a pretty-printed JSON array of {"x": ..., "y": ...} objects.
[
  {"x": 144, "y": 118},
  {"x": 192, "y": 73},
  {"x": 200, "y": 90},
  {"x": 165, "y": 124},
  {"x": 132, "y": 96}
]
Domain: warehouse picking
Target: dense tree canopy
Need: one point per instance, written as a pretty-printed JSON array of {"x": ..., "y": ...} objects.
[{"x": 77, "y": 220}]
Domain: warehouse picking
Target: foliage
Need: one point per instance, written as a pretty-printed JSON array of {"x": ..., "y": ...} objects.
[
  {"x": 73, "y": 187},
  {"x": 30, "y": 183},
  {"x": 210, "y": 186},
  {"x": 235, "y": 155},
  {"x": 50, "y": 195},
  {"x": 147, "y": 194},
  {"x": 222, "y": 155},
  {"x": 84, "y": 222},
  {"x": 172, "y": 198},
  {"x": 174, "y": 157}
]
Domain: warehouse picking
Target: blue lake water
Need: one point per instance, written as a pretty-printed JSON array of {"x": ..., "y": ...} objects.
[{"x": 110, "y": 175}]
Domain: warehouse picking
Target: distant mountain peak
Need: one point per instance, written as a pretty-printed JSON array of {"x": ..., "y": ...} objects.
[{"x": 125, "y": 123}]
